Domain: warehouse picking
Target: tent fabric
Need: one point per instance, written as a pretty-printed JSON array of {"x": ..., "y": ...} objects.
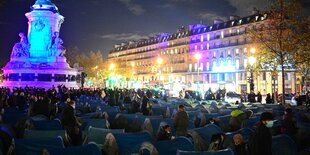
[
  {"x": 97, "y": 123},
  {"x": 148, "y": 149},
  {"x": 129, "y": 143},
  {"x": 283, "y": 145},
  {"x": 88, "y": 149},
  {"x": 169, "y": 147},
  {"x": 39, "y": 134},
  {"x": 221, "y": 152},
  {"x": 35, "y": 146},
  {"x": 206, "y": 133},
  {"x": 98, "y": 135},
  {"x": 197, "y": 140},
  {"x": 47, "y": 125}
]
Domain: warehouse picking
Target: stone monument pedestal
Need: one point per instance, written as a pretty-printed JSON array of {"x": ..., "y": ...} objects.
[{"x": 37, "y": 60}]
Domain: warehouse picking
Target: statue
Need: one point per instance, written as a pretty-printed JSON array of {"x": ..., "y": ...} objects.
[
  {"x": 21, "y": 49},
  {"x": 57, "y": 48}
]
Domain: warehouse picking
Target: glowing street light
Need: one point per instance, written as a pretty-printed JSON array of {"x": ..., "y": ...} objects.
[
  {"x": 252, "y": 50},
  {"x": 159, "y": 61},
  {"x": 112, "y": 66},
  {"x": 252, "y": 60}
]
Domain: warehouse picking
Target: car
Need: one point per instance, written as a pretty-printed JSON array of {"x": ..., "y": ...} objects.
[
  {"x": 232, "y": 97},
  {"x": 289, "y": 99}
]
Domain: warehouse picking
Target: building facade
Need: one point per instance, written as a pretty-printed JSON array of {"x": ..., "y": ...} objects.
[{"x": 201, "y": 57}]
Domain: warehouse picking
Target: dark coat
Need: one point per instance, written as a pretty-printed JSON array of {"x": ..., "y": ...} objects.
[
  {"x": 261, "y": 141},
  {"x": 180, "y": 123},
  {"x": 240, "y": 149},
  {"x": 41, "y": 107},
  {"x": 162, "y": 135},
  {"x": 68, "y": 118}
]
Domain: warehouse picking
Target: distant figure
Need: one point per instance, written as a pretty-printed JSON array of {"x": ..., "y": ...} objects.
[
  {"x": 240, "y": 146},
  {"x": 261, "y": 141},
  {"x": 269, "y": 99},
  {"x": 181, "y": 121},
  {"x": 164, "y": 133},
  {"x": 259, "y": 97}
]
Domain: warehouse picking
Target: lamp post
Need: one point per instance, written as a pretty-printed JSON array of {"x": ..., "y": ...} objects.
[
  {"x": 197, "y": 56},
  {"x": 252, "y": 61}
]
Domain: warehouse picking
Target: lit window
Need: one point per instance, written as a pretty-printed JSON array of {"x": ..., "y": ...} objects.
[
  {"x": 222, "y": 34},
  {"x": 201, "y": 46},
  {"x": 237, "y": 51},
  {"x": 245, "y": 63},
  {"x": 214, "y": 64},
  {"x": 208, "y": 37},
  {"x": 229, "y": 31},
  {"x": 201, "y": 67},
  {"x": 229, "y": 62},
  {"x": 228, "y": 52},
  {"x": 190, "y": 67},
  {"x": 232, "y": 23},
  {"x": 208, "y": 66},
  {"x": 195, "y": 47},
  {"x": 245, "y": 50},
  {"x": 237, "y": 64},
  {"x": 214, "y": 54},
  {"x": 238, "y": 31},
  {"x": 201, "y": 38},
  {"x": 208, "y": 46}
]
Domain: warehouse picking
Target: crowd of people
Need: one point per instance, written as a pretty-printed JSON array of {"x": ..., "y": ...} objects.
[{"x": 45, "y": 102}]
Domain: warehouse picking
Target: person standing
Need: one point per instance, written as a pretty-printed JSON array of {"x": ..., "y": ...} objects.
[
  {"x": 261, "y": 141},
  {"x": 259, "y": 97},
  {"x": 181, "y": 121},
  {"x": 71, "y": 124}
]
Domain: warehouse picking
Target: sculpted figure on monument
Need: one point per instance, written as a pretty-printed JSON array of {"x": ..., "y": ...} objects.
[
  {"x": 57, "y": 48},
  {"x": 21, "y": 49}
]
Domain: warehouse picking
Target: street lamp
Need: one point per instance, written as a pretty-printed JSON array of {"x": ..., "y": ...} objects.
[
  {"x": 112, "y": 66},
  {"x": 252, "y": 61},
  {"x": 198, "y": 57}
]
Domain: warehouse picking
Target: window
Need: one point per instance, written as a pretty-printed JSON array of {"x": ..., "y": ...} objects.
[
  {"x": 44, "y": 77},
  {"x": 214, "y": 54},
  {"x": 213, "y": 78},
  {"x": 14, "y": 77},
  {"x": 208, "y": 46},
  {"x": 222, "y": 76},
  {"x": 201, "y": 38},
  {"x": 222, "y": 34},
  {"x": 264, "y": 76},
  {"x": 237, "y": 64},
  {"x": 28, "y": 77},
  {"x": 228, "y": 52},
  {"x": 60, "y": 78},
  {"x": 190, "y": 67},
  {"x": 245, "y": 63},
  {"x": 196, "y": 67},
  {"x": 195, "y": 47},
  {"x": 201, "y": 67},
  {"x": 237, "y": 51},
  {"x": 208, "y": 37},
  {"x": 208, "y": 66},
  {"x": 214, "y": 63}
]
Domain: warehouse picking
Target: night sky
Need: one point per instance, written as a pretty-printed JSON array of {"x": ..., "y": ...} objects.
[{"x": 92, "y": 25}]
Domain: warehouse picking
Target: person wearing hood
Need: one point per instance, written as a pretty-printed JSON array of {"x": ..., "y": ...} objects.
[{"x": 260, "y": 142}]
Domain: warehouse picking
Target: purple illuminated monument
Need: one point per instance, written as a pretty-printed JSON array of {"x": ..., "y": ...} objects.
[{"x": 38, "y": 59}]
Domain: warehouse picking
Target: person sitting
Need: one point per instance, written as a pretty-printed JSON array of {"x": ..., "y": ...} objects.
[
  {"x": 237, "y": 118},
  {"x": 71, "y": 124},
  {"x": 240, "y": 145},
  {"x": 164, "y": 133},
  {"x": 220, "y": 141}
]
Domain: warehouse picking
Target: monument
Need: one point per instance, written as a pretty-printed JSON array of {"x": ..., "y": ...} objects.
[{"x": 38, "y": 59}]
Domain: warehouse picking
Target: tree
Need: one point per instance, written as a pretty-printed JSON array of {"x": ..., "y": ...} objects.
[{"x": 279, "y": 39}]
